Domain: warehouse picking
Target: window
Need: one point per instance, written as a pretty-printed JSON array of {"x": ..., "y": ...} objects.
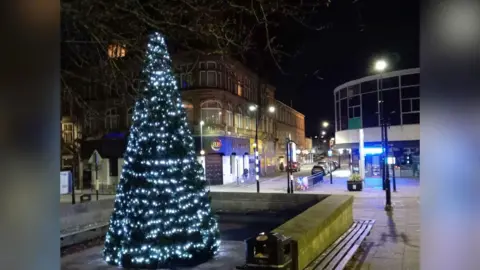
[
  {"x": 354, "y": 101},
  {"x": 91, "y": 124},
  {"x": 370, "y": 110},
  {"x": 231, "y": 82},
  {"x": 130, "y": 117},
  {"x": 343, "y": 93},
  {"x": 247, "y": 88},
  {"x": 337, "y": 115},
  {"x": 416, "y": 105},
  {"x": 369, "y": 86},
  {"x": 248, "y": 124},
  {"x": 67, "y": 130},
  {"x": 113, "y": 162},
  {"x": 353, "y": 90},
  {"x": 354, "y": 112},
  {"x": 229, "y": 116},
  {"x": 412, "y": 79},
  {"x": 186, "y": 80},
  {"x": 411, "y": 92},
  {"x": 111, "y": 119},
  {"x": 406, "y": 105},
  {"x": 343, "y": 115},
  {"x": 239, "y": 88},
  {"x": 239, "y": 119},
  {"x": 211, "y": 112},
  {"x": 116, "y": 51},
  {"x": 411, "y": 118},
  {"x": 391, "y": 82},
  {"x": 391, "y": 103}
]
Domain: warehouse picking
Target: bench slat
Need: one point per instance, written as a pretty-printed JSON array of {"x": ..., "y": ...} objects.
[
  {"x": 330, "y": 250},
  {"x": 342, "y": 255},
  {"x": 341, "y": 265},
  {"x": 84, "y": 229},
  {"x": 341, "y": 251}
]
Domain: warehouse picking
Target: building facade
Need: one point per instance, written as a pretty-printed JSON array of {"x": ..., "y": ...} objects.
[
  {"x": 357, "y": 121},
  {"x": 290, "y": 124},
  {"x": 222, "y": 99}
]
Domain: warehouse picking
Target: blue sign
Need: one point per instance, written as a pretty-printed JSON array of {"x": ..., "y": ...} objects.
[{"x": 329, "y": 153}]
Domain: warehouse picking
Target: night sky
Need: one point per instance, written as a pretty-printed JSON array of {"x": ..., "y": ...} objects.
[{"x": 358, "y": 33}]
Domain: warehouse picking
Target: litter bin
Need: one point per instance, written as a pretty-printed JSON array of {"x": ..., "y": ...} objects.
[{"x": 269, "y": 251}]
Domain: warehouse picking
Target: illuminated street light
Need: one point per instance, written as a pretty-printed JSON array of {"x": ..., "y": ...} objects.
[
  {"x": 252, "y": 108},
  {"x": 271, "y": 109},
  {"x": 202, "y": 152},
  {"x": 324, "y": 141},
  {"x": 325, "y": 124},
  {"x": 381, "y": 65},
  {"x": 324, "y": 132}
]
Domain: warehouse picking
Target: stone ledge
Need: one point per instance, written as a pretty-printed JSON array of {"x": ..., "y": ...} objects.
[{"x": 315, "y": 229}]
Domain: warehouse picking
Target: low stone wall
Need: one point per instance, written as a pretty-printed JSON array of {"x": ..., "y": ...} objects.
[
  {"x": 315, "y": 229},
  {"x": 83, "y": 214},
  {"x": 257, "y": 202}
]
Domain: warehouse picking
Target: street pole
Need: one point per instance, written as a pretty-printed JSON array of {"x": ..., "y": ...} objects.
[
  {"x": 97, "y": 184},
  {"x": 201, "y": 135},
  {"x": 388, "y": 203},
  {"x": 287, "y": 146},
  {"x": 331, "y": 172},
  {"x": 393, "y": 178}
]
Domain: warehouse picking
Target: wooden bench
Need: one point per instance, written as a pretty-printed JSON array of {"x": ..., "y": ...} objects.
[
  {"x": 339, "y": 253},
  {"x": 79, "y": 234}
]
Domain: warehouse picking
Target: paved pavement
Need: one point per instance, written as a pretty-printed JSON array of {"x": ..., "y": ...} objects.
[
  {"x": 394, "y": 242},
  {"x": 395, "y": 238}
]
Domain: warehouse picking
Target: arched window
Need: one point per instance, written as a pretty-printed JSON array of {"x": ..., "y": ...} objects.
[
  {"x": 239, "y": 118},
  {"x": 189, "y": 111},
  {"x": 130, "y": 117},
  {"x": 229, "y": 115},
  {"x": 211, "y": 112},
  {"x": 111, "y": 119},
  {"x": 91, "y": 124}
]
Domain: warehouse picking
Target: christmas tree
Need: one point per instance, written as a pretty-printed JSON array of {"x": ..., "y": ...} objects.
[{"x": 162, "y": 215}]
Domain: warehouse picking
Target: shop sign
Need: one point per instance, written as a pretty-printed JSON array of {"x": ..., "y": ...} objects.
[{"x": 216, "y": 145}]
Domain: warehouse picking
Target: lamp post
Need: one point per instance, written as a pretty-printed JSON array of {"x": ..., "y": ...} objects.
[
  {"x": 257, "y": 110},
  {"x": 202, "y": 152},
  {"x": 380, "y": 67}
]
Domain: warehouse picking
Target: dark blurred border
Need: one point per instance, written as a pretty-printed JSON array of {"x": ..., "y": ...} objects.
[
  {"x": 450, "y": 134},
  {"x": 29, "y": 135}
]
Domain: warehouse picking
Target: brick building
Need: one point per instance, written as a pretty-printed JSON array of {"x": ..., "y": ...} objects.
[{"x": 219, "y": 92}]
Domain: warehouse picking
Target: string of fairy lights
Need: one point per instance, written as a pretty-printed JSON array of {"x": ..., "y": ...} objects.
[{"x": 162, "y": 212}]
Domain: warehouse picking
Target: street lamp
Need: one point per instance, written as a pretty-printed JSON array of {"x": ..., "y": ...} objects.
[
  {"x": 324, "y": 132},
  {"x": 202, "y": 152},
  {"x": 258, "y": 111},
  {"x": 380, "y": 66},
  {"x": 325, "y": 124}
]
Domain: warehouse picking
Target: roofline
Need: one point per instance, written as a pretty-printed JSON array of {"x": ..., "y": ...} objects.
[
  {"x": 285, "y": 105},
  {"x": 377, "y": 76}
]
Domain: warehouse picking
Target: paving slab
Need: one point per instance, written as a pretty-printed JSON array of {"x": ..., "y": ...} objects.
[{"x": 230, "y": 255}]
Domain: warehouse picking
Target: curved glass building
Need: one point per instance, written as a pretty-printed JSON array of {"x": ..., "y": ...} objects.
[{"x": 357, "y": 121}]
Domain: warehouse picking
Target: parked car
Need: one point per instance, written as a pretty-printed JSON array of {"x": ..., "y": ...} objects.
[
  {"x": 294, "y": 166},
  {"x": 318, "y": 169},
  {"x": 325, "y": 166}
]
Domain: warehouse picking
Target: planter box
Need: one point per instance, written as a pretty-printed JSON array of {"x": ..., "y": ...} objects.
[{"x": 354, "y": 185}]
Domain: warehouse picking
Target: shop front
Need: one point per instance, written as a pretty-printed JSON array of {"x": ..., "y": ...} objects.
[
  {"x": 224, "y": 159},
  {"x": 404, "y": 154}
]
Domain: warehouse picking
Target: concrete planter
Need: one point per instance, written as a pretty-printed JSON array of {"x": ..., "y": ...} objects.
[{"x": 355, "y": 185}]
